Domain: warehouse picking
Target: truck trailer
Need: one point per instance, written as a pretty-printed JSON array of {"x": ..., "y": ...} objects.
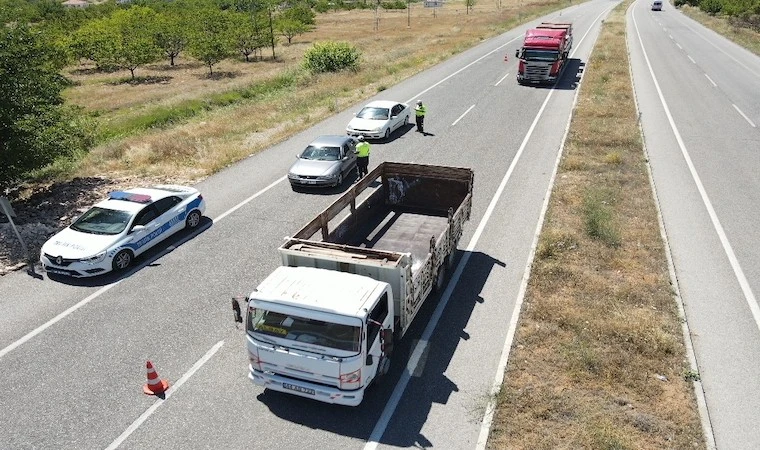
[
  {"x": 352, "y": 280},
  {"x": 544, "y": 52}
]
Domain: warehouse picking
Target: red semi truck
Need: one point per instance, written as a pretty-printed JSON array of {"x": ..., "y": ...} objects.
[{"x": 544, "y": 52}]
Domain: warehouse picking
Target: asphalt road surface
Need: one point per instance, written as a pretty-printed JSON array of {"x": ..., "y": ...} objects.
[
  {"x": 699, "y": 98},
  {"x": 72, "y": 353}
]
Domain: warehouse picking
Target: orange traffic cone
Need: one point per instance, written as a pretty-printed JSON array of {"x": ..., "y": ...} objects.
[{"x": 155, "y": 385}]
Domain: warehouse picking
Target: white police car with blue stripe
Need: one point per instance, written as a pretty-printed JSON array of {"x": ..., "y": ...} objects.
[{"x": 115, "y": 231}]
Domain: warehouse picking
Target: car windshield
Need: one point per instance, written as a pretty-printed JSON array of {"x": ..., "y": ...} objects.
[
  {"x": 102, "y": 221},
  {"x": 307, "y": 331},
  {"x": 540, "y": 55},
  {"x": 321, "y": 153},
  {"x": 373, "y": 113}
]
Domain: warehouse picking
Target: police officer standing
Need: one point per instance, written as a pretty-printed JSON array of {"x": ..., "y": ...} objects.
[
  {"x": 419, "y": 113},
  {"x": 362, "y": 156}
]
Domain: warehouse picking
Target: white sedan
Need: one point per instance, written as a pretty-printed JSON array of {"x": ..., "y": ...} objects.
[
  {"x": 115, "y": 231},
  {"x": 379, "y": 119}
]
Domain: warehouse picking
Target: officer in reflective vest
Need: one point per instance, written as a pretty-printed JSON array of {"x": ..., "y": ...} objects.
[
  {"x": 362, "y": 156},
  {"x": 419, "y": 113}
]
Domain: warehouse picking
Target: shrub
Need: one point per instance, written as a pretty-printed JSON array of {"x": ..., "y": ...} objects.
[
  {"x": 395, "y": 4},
  {"x": 331, "y": 57},
  {"x": 711, "y": 7}
]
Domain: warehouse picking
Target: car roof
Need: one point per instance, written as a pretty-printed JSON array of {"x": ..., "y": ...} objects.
[
  {"x": 154, "y": 194},
  {"x": 382, "y": 104},
  {"x": 331, "y": 140}
]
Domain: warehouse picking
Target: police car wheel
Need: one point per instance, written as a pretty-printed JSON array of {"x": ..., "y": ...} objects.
[
  {"x": 122, "y": 260},
  {"x": 193, "y": 219}
]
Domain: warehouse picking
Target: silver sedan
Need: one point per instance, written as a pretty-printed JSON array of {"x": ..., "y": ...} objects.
[{"x": 324, "y": 162}]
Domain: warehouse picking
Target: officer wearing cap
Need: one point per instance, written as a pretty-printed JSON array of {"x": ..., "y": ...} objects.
[
  {"x": 419, "y": 114},
  {"x": 362, "y": 156}
]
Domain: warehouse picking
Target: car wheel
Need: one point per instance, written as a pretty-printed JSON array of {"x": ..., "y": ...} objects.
[
  {"x": 387, "y": 133},
  {"x": 193, "y": 219},
  {"x": 406, "y": 120},
  {"x": 340, "y": 180},
  {"x": 122, "y": 260}
]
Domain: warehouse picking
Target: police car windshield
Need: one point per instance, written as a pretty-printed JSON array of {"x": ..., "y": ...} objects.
[
  {"x": 304, "y": 330},
  {"x": 102, "y": 221},
  {"x": 373, "y": 113}
]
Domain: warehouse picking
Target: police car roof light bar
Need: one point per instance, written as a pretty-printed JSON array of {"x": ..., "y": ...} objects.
[{"x": 137, "y": 198}]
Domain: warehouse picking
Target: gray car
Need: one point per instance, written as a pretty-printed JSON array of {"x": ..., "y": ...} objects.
[{"x": 325, "y": 162}]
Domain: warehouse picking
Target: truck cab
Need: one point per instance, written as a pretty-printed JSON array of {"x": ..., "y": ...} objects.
[
  {"x": 319, "y": 333},
  {"x": 544, "y": 51}
]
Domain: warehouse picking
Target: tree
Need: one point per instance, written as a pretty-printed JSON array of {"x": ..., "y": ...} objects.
[
  {"x": 261, "y": 9},
  {"x": 470, "y": 4},
  {"x": 35, "y": 127},
  {"x": 136, "y": 45},
  {"x": 300, "y": 12},
  {"x": 212, "y": 40},
  {"x": 171, "y": 34},
  {"x": 248, "y": 34},
  {"x": 96, "y": 40},
  {"x": 290, "y": 28}
]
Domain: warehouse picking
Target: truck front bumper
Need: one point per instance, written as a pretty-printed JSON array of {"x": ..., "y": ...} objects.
[{"x": 302, "y": 388}]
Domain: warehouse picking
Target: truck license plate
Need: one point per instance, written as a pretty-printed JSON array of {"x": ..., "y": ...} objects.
[{"x": 298, "y": 388}]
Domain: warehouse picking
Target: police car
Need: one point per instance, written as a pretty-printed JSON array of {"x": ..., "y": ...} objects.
[{"x": 115, "y": 231}]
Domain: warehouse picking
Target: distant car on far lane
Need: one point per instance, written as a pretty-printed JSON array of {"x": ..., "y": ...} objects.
[
  {"x": 324, "y": 162},
  {"x": 115, "y": 231},
  {"x": 379, "y": 119},
  {"x": 657, "y": 5}
]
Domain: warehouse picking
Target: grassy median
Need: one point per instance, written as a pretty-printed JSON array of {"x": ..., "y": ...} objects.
[{"x": 598, "y": 360}]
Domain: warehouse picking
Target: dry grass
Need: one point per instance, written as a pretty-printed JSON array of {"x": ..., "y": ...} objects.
[
  {"x": 745, "y": 37},
  {"x": 599, "y": 324},
  {"x": 214, "y": 137}
]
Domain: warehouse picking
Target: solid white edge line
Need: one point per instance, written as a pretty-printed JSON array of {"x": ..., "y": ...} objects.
[
  {"x": 744, "y": 115},
  {"x": 699, "y": 393},
  {"x": 485, "y": 427},
  {"x": 679, "y": 46},
  {"x": 502, "y": 79},
  {"x": 691, "y": 59},
  {"x": 749, "y": 296},
  {"x": 463, "y": 114},
  {"x": 160, "y": 401},
  {"x": 710, "y": 80},
  {"x": 57, "y": 318}
]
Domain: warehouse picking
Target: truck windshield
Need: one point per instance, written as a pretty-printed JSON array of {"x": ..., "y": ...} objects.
[
  {"x": 301, "y": 329},
  {"x": 540, "y": 55}
]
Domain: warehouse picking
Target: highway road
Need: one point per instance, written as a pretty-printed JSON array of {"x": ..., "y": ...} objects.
[
  {"x": 72, "y": 353},
  {"x": 699, "y": 98}
]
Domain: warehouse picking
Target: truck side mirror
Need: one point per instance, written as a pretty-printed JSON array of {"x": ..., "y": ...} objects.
[
  {"x": 236, "y": 312},
  {"x": 386, "y": 341}
]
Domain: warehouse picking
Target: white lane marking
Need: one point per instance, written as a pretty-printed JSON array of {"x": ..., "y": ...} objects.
[
  {"x": 485, "y": 426},
  {"x": 160, "y": 401},
  {"x": 502, "y": 79},
  {"x": 737, "y": 61},
  {"x": 744, "y": 115},
  {"x": 465, "y": 67},
  {"x": 679, "y": 46},
  {"x": 57, "y": 318},
  {"x": 710, "y": 80},
  {"x": 249, "y": 199},
  {"x": 463, "y": 114},
  {"x": 414, "y": 359},
  {"x": 670, "y": 36},
  {"x": 738, "y": 272},
  {"x": 691, "y": 59}
]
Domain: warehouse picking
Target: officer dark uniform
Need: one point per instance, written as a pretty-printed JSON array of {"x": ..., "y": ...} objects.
[
  {"x": 362, "y": 156},
  {"x": 419, "y": 115}
]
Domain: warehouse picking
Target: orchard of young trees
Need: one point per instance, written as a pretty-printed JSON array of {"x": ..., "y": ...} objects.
[{"x": 39, "y": 38}]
